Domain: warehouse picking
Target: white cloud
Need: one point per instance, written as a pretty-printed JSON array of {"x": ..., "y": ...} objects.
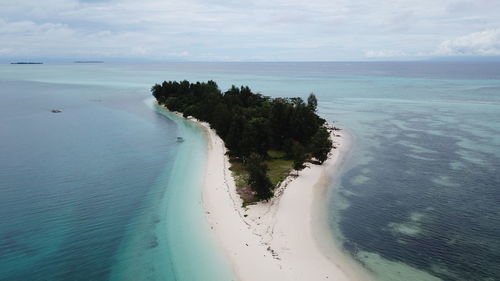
[
  {"x": 392, "y": 54},
  {"x": 5, "y": 51},
  {"x": 482, "y": 43},
  {"x": 140, "y": 50},
  {"x": 179, "y": 54},
  {"x": 238, "y": 30},
  {"x": 375, "y": 54}
]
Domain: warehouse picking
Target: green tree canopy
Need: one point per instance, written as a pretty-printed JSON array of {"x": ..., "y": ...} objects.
[
  {"x": 258, "y": 179},
  {"x": 312, "y": 102},
  {"x": 252, "y": 124},
  {"x": 321, "y": 145}
]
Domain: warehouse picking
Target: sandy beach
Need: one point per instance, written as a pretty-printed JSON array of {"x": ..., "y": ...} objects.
[{"x": 284, "y": 239}]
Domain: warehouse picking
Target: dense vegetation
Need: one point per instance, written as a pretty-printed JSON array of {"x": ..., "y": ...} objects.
[{"x": 252, "y": 125}]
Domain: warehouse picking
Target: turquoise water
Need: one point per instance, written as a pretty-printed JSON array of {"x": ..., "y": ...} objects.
[
  {"x": 183, "y": 235},
  {"x": 101, "y": 190}
]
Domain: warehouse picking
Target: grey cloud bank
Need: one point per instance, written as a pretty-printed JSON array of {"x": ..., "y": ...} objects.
[{"x": 227, "y": 30}]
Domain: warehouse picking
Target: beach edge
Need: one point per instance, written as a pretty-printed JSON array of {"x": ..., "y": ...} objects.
[{"x": 285, "y": 238}]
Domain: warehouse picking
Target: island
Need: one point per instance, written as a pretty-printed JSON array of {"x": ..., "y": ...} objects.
[
  {"x": 26, "y": 62},
  {"x": 269, "y": 220},
  {"x": 266, "y": 137}
]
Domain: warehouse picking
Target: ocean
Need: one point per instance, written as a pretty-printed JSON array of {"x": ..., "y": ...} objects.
[{"x": 102, "y": 190}]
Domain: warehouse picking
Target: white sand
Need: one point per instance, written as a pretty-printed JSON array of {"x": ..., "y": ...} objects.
[{"x": 286, "y": 238}]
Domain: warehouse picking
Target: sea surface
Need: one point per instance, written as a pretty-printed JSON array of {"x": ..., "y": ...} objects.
[{"x": 102, "y": 190}]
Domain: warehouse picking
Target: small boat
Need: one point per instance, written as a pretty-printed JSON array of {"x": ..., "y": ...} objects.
[
  {"x": 56, "y": 111},
  {"x": 180, "y": 139}
]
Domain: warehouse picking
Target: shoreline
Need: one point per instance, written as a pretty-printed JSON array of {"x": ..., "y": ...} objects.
[{"x": 286, "y": 238}]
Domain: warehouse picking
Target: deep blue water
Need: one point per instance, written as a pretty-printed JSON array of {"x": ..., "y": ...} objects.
[{"x": 101, "y": 191}]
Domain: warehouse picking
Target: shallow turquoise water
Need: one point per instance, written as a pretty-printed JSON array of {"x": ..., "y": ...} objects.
[
  {"x": 419, "y": 198},
  {"x": 102, "y": 190},
  {"x": 181, "y": 241}
]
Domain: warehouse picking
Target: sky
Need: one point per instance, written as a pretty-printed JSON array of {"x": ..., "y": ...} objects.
[{"x": 249, "y": 30}]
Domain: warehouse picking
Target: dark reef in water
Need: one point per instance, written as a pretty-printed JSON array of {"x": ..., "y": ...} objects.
[{"x": 405, "y": 212}]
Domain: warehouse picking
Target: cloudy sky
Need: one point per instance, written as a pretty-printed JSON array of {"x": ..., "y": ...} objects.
[{"x": 243, "y": 30}]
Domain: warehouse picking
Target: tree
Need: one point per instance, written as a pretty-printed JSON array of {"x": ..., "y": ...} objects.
[
  {"x": 280, "y": 121},
  {"x": 222, "y": 119},
  {"x": 298, "y": 156},
  {"x": 256, "y": 137},
  {"x": 312, "y": 102},
  {"x": 321, "y": 144},
  {"x": 233, "y": 137},
  {"x": 258, "y": 180}
]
